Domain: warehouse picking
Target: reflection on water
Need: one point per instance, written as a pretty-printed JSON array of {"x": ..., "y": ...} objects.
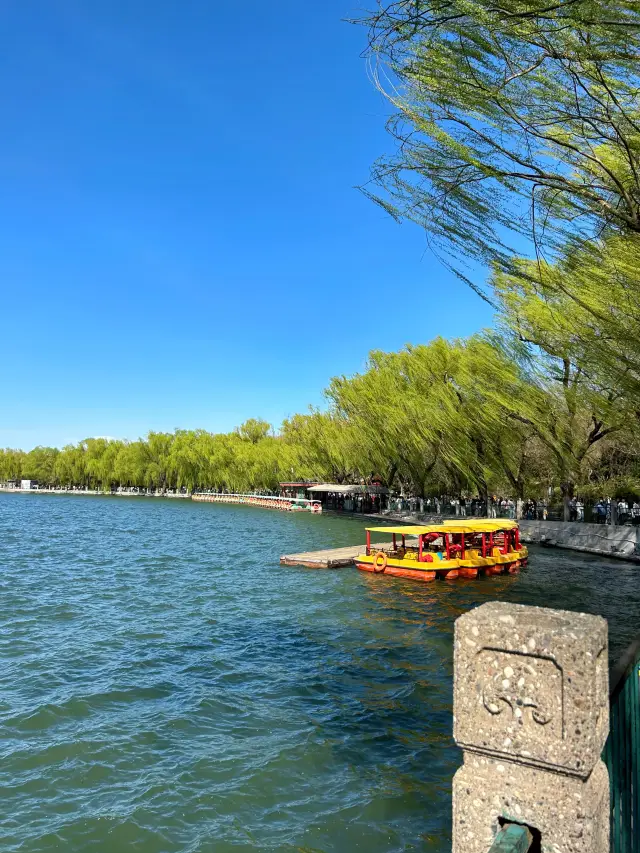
[{"x": 167, "y": 686}]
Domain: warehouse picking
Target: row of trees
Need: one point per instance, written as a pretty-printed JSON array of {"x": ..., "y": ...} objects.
[
  {"x": 248, "y": 458},
  {"x": 476, "y": 416}
]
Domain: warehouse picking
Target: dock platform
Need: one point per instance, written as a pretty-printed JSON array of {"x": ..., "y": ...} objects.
[{"x": 332, "y": 558}]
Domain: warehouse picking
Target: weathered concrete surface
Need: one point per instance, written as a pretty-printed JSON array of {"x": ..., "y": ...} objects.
[
  {"x": 619, "y": 541},
  {"x": 531, "y": 684},
  {"x": 531, "y": 712},
  {"x": 571, "y": 815}
]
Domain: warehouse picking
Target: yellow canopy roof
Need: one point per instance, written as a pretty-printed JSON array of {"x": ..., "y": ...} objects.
[
  {"x": 417, "y": 530},
  {"x": 407, "y": 529},
  {"x": 487, "y": 525}
]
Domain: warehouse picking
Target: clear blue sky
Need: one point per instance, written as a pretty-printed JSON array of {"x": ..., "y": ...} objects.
[{"x": 181, "y": 242}]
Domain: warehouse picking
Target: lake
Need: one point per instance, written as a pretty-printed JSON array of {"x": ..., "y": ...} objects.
[{"x": 165, "y": 685}]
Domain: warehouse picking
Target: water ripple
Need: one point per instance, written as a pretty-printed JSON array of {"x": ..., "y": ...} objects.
[{"x": 167, "y": 686}]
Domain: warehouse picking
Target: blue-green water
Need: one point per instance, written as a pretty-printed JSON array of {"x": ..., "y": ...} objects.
[{"x": 166, "y": 686}]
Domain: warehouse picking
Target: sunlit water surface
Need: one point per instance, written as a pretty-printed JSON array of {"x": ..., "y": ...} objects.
[{"x": 166, "y": 686}]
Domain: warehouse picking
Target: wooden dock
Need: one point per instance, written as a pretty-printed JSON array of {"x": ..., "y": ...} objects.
[{"x": 332, "y": 558}]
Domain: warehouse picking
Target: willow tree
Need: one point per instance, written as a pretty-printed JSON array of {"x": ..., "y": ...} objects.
[
  {"x": 39, "y": 464},
  {"x": 321, "y": 445},
  {"x": 254, "y": 430},
  {"x": 571, "y": 408},
  {"x": 495, "y": 393},
  {"x": 387, "y": 412},
  {"x": 590, "y": 296},
  {"x": 440, "y": 412},
  {"x": 513, "y": 118},
  {"x": 11, "y": 463},
  {"x": 70, "y": 466}
]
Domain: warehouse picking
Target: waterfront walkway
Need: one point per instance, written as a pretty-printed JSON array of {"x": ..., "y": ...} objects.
[
  {"x": 331, "y": 558},
  {"x": 123, "y": 494}
]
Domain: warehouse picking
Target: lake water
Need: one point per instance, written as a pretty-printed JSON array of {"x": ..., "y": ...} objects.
[{"x": 165, "y": 685}]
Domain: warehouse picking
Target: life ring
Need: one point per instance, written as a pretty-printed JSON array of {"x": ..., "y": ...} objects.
[{"x": 379, "y": 567}]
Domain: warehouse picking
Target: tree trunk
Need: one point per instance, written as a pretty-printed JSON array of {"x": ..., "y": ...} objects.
[
  {"x": 519, "y": 497},
  {"x": 567, "y": 494}
]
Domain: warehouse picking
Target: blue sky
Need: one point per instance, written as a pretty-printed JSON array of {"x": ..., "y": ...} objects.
[{"x": 181, "y": 243}]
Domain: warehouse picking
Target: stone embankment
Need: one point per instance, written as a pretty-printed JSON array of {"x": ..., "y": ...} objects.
[{"x": 603, "y": 539}]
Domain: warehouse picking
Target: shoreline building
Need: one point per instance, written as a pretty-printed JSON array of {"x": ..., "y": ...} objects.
[{"x": 339, "y": 497}]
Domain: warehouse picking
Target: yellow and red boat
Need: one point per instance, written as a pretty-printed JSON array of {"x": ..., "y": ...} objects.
[{"x": 449, "y": 550}]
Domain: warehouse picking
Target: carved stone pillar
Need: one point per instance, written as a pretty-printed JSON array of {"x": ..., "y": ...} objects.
[{"x": 531, "y": 714}]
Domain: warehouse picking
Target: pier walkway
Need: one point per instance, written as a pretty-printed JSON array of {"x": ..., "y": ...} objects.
[{"x": 332, "y": 558}]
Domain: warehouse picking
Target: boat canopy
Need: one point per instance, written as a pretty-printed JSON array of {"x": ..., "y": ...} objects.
[
  {"x": 420, "y": 530},
  {"x": 405, "y": 529}
]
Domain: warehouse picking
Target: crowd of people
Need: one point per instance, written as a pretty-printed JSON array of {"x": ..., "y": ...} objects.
[
  {"x": 624, "y": 511},
  {"x": 499, "y": 507}
]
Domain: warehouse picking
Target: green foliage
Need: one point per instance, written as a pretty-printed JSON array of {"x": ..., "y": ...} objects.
[
  {"x": 238, "y": 461},
  {"x": 521, "y": 119},
  {"x": 588, "y": 302},
  {"x": 509, "y": 413},
  {"x": 254, "y": 430},
  {"x": 39, "y": 464},
  {"x": 516, "y": 118}
]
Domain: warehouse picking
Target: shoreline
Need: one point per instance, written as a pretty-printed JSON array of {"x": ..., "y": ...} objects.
[
  {"x": 92, "y": 492},
  {"x": 621, "y": 542}
]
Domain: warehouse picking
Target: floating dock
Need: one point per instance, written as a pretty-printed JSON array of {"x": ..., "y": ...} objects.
[
  {"x": 264, "y": 501},
  {"x": 332, "y": 558}
]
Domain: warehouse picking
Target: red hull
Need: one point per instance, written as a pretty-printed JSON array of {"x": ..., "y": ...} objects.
[
  {"x": 413, "y": 574},
  {"x": 424, "y": 576}
]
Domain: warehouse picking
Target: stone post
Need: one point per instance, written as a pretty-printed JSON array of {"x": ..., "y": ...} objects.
[{"x": 531, "y": 714}]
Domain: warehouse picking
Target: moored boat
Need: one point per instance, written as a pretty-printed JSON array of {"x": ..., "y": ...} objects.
[
  {"x": 450, "y": 550},
  {"x": 264, "y": 501}
]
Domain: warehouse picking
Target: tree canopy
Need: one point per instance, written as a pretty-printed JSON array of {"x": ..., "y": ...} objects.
[
  {"x": 495, "y": 413},
  {"x": 516, "y": 118}
]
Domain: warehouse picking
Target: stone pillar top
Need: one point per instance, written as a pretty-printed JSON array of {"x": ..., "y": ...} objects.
[{"x": 531, "y": 686}]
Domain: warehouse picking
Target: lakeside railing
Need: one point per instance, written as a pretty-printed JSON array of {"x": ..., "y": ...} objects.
[
  {"x": 531, "y": 715},
  {"x": 622, "y": 752},
  {"x": 550, "y": 738}
]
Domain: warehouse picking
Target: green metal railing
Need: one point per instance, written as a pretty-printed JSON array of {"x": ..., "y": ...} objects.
[
  {"x": 622, "y": 757},
  {"x": 512, "y": 838},
  {"x": 622, "y": 752}
]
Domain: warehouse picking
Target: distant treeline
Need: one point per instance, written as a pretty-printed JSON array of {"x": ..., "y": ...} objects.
[{"x": 478, "y": 416}]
